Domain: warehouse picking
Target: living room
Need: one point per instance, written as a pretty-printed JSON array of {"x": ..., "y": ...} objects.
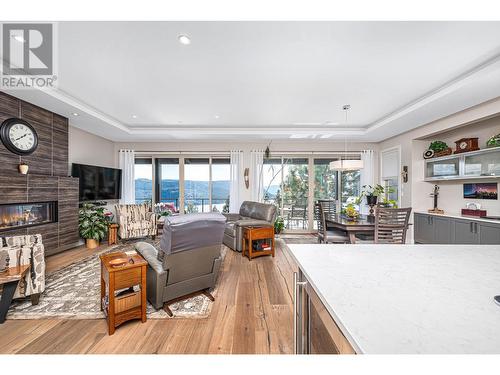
[{"x": 250, "y": 187}]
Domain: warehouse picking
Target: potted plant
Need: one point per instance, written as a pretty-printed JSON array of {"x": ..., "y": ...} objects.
[
  {"x": 372, "y": 193},
  {"x": 351, "y": 212},
  {"x": 92, "y": 224},
  {"x": 279, "y": 225},
  {"x": 386, "y": 202},
  {"x": 440, "y": 148}
]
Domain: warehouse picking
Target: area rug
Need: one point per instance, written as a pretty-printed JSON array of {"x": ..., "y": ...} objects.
[{"x": 74, "y": 293}]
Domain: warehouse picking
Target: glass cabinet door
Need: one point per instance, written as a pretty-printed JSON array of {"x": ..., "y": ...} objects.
[
  {"x": 443, "y": 168},
  {"x": 484, "y": 164}
]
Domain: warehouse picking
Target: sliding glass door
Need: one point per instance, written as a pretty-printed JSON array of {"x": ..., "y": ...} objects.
[
  {"x": 202, "y": 184},
  {"x": 143, "y": 176},
  {"x": 196, "y": 185},
  {"x": 167, "y": 181},
  {"x": 295, "y": 195},
  {"x": 220, "y": 180}
]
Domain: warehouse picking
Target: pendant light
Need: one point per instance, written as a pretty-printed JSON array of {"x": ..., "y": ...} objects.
[{"x": 346, "y": 164}]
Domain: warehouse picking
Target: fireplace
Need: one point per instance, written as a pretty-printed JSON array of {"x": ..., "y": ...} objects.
[{"x": 21, "y": 215}]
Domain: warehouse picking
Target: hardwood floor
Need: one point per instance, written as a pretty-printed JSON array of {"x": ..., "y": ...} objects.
[{"x": 252, "y": 313}]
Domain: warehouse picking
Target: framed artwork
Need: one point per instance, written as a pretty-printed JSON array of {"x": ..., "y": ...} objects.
[{"x": 486, "y": 190}]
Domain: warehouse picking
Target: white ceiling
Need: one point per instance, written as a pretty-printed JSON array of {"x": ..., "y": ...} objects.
[{"x": 269, "y": 79}]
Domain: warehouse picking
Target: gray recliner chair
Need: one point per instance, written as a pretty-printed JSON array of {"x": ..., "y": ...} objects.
[
  {"x": 188, "y": 260},
  {"x": 251, "y": 214}
]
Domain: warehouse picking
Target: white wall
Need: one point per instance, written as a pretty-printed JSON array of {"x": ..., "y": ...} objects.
[
  {"x": 87, "y": 148},
  {"x": 276, "y": 147},
  {"x": 477, "y": 121}
]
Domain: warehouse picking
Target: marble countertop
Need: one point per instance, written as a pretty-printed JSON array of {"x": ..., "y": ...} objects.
[
  {"x": 396, "y": 299},
  {"x": 460, "y": 216}
]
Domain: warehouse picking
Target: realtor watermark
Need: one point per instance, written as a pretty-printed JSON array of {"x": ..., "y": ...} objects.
[{"x": 28, "y": 56}]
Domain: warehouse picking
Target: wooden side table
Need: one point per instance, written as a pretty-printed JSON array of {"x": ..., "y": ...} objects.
[
  {"x": 112, "y": 234},
  {"x": 132, "y": 304},
  {"x": 10, "y": 279},
  {"x": 251, "y": 234}
]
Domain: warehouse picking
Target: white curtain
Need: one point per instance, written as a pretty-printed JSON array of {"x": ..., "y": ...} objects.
[
  {"x": 256, "y": 170},
  {"x": 236, "y": 181},
  {"x": 367, "y": 175},
  {"x": 127, "y": 161}
]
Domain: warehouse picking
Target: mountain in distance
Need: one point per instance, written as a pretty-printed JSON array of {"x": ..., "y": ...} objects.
[{"x": 192, "y": 189}]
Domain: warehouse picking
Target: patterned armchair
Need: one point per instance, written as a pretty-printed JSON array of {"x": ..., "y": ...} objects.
[
  {"x": 136, "y": 220},
  {"x": 27, "y": 250}
]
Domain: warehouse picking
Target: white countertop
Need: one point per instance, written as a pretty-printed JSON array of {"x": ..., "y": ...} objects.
[
  {"x": 460, "y": 216},
  {"x": 409, "y": 298}
]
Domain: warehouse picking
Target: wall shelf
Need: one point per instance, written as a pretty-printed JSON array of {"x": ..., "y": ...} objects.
[{"x": 481, "y": 164}]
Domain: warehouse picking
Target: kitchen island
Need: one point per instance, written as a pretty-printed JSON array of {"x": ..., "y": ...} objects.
[{"x": 396, "y": 299}]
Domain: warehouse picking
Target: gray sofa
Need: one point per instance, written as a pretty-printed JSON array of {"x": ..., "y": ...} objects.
[
  {"x": 188, "y": 260},
  {"x": 251, "y": 214}
]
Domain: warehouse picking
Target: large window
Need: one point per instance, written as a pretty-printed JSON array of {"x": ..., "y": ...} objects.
[
  {"x": 350, "y": 185},
  {"x": 196, "y": 185},
  {"x": 143, "y": 172},
  {"x": 286, "y": 184},
  {"x": 390, "y": 173},
  {"x": 202, "y": 184},
  {"x": 221, "y": 174},
  {"x": 167, "y": 181},
  {"x": 295, "y": 193},
  {"x": 325, "y": 180}
]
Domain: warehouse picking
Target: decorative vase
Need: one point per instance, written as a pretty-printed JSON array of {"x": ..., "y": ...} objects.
[
  {"x": 371, "y": 200},
  {"x": 91, "y": 243}
]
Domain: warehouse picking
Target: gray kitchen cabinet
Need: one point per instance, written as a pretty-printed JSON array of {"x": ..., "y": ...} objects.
[
  {"x": 424, "y": 231},
  {"x": 442, "y": 229},
  {"x": 465, "y": 232},
  {"x": 433, "y": 229},
  {"x": 489, "y": 234},
  {"x": 430, "y": 229}
]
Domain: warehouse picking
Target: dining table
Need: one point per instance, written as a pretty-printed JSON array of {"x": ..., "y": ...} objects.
[{"x": 364, "y": 224}]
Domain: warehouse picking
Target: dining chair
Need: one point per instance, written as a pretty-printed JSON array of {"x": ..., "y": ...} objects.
[
  {"x": 327, "y": 235},
  {"x": 391, "y": 225}
]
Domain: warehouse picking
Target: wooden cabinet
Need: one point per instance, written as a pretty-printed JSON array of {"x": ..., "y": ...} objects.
[
  {"x": 315, "y": 331},
  {"x": 432, "y": 229}
]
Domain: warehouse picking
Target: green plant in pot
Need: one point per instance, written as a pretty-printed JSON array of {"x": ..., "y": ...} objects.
[
  {"x": 372, "y": 193},
  {"x": 493, "y": 141},
  {"x": 279, "y": 225},
  {"x": 92, "y": 224},
  {"x": 386, "y": 202}
]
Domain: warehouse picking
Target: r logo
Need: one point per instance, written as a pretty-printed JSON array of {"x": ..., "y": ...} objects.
[{"x": 27, "y": 49}]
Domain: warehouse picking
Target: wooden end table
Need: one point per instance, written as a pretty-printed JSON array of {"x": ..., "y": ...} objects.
[
  {"x": 10, "y": 279},
  {"x": 112, "y": 234},
  {"x": 131, "y": 305},
  {"x": 251, "y": 234}
]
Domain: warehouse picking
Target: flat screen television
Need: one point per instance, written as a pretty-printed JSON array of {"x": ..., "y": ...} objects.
[{"x": 97, "y": 183}]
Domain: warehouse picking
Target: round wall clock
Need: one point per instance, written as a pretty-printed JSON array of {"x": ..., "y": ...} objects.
[{"x": 18, "y": 136}]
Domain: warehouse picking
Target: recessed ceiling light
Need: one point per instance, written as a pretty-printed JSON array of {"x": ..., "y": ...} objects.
[
  {"x": 184, "y": 39},
  {"x": 19, "y": 38},
  {"x": 217, "y": 116},
  {"x": 134, "y": 116},
  {"x": 75, "y": 114}
]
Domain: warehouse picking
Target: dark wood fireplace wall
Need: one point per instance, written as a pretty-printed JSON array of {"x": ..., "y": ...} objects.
[{"x": 47, "y": 179}]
